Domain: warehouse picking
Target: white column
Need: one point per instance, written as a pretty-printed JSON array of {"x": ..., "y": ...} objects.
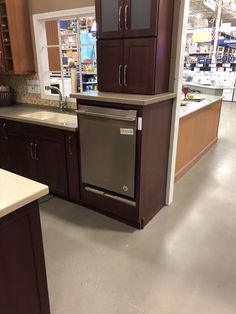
[
  {"x": 218, "y": 24},
  {"x": 182, "y": 34}
]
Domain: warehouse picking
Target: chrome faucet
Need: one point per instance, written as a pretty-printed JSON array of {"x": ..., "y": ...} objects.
[{"x": 62, "y": 103}]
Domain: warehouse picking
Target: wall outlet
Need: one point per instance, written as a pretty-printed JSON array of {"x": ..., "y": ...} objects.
[{"x": 33, "y": 87}]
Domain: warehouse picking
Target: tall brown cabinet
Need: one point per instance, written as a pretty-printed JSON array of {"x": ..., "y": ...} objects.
[
  {"x": 16, "y": 52},
  {"x": 134, "y": 45}
]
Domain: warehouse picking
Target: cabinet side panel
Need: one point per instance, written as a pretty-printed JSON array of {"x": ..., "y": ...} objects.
[
  {"x": 20, "y": 36},
  {"x": 164, "y": 42},
  {"x": 154, "y": 158},
  {"x": 23, "y": 287}
]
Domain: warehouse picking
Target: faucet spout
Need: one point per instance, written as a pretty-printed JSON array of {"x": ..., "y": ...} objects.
[{"x": 62, "y": 103}]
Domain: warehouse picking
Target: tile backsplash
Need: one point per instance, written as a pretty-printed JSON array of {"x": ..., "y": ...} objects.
[{"x": 19, "y": 84}]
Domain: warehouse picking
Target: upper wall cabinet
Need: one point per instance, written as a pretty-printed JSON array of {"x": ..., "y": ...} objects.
[
  {"x": 126, "y": 18},
  {"x": 16, "y": 52}
]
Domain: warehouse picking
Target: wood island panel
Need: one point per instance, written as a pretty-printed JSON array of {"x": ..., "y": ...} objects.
[{"x": 198, "y": 132}]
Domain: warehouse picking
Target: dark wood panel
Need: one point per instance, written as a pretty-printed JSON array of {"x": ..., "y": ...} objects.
[
  {"x": 110, "y": 207},
  {"x": 164, "y": 44},
  {"x": 4, "y": 146},
  {"x": 139, "y": 57},
  {"x": 34, "y": 130},
  {"x": 197, "y": 133},
  {"x": 23, "y": 287},
  {"x": 21, "y": 155},
  {"x": 72, "y": 154},
  {"x": 110, "y": 65},
  {"x": 154, "y": 159},
  {"x": 50, "y": 163}
]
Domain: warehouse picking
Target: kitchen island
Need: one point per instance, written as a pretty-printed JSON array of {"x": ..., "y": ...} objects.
[
  {"x": 23, "y": 285},
  {"x": 198, "y": 131}
]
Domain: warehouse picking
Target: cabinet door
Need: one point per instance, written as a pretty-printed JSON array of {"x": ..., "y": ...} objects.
[
  {"x": 22, "y": 155},
  {"x": 72, "y": 155},
  {"x": 140, "y": 64},
  {"x": 4, "y": 147},
  {"x": 110, "y": 65},
  {"x": 50, "y": 162},
  {"x": 109, "y": 18},
  {"x": 140, "y": 18}
]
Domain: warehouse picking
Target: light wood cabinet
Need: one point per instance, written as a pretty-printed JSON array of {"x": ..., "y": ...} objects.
[{"x": 16, "y": 52}]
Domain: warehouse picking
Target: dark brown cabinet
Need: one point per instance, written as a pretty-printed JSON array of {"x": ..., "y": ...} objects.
[
  {"x": 127, "y": 65},
  {"x": 4, "y": 147},
  {"x": 126, "y": 18},
  {"x": 23, "y": 287},
  {"x": 134, "y": 45},
  {"x": 16, "y": 52},
  {"x": 38, "y": 153},
  {"x": 47, "y": 155},
  {"x": 110, "y": 59}
]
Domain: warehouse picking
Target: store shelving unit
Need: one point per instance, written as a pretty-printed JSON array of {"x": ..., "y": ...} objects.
[{"x": 74, "y": 45}]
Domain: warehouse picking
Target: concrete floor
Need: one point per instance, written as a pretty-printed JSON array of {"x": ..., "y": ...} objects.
[{"x": 184, "y": 262}]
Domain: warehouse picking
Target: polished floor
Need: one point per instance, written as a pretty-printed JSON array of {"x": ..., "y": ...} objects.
[{"x": 184, "y": 262}]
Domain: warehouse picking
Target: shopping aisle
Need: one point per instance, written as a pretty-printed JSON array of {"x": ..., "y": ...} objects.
[{"x": 182, "y": 263}]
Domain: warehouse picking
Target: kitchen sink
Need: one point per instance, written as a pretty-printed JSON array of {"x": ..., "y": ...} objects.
[{"x": 49, "y": 116}]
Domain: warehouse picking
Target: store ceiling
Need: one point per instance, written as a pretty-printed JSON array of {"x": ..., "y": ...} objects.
[{"x": 197, "y": 6}]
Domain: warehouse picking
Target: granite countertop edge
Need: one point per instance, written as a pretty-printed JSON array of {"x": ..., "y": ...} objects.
[
  {"x": 17, "y": 191},
  {"x": 209, "y": 100},
  {"x": 13, "y": 113},
  {"x": 127, "y": 99}
]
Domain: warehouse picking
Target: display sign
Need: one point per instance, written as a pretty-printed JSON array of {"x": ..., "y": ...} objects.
[
  {"x": 211, "y": 4},
  {"x": 226, "y": 42}
]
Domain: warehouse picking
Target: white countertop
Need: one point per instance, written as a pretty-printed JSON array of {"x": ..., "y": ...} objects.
[
  {"x": 122, "y": 98},
  {"x": 192, "y": 106},
  {"x": 208, "y": 86},
  {"x": 17, "y": 191},
  {"x": 15, "y": 113}
]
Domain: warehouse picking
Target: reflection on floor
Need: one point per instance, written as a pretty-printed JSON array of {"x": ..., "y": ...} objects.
[{"x": 184, "y": 262}]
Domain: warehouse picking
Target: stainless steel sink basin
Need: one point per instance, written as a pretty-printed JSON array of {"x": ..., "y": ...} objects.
[{"x": 49, "y": 116}]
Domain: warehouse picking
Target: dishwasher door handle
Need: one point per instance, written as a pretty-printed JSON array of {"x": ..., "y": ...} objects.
[{"x": 107, "y": 116}]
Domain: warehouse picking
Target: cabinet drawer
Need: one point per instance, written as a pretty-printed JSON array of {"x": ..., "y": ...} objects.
[{"x": 35, "y": 131}]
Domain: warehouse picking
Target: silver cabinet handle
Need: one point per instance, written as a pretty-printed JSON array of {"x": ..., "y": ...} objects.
[
  {"x": 32, "y": 150},
  {"x": 120, "y": 68},
  {"x": 107, "y": 116},
  {"x": 36, "y": 152},
  {"x": 120, "y": 12},
  {"x": 70, "y": 145},
  {"x": 125, "y": 75},
  {"x": 4, "y": 126},
  {"x": 126, "y": 17}
]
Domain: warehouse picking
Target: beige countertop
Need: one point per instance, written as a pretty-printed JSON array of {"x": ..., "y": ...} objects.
[
  {"x": 192, "y": 106},
  {"x": 15, "y": 113},
  {"x": 17, "y": 191},
  {"x": 127, "y": 99}
]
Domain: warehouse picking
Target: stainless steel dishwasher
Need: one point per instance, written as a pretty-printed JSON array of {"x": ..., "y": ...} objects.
[{"x": 108, "y": 150}]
